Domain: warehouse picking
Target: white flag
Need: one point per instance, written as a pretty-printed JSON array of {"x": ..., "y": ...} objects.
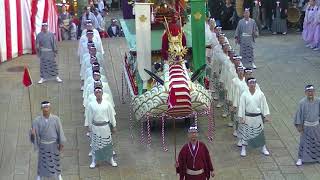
[{"x": 143, "y": 39}]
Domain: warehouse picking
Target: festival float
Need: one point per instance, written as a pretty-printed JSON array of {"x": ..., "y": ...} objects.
[{"x": 173, "y": 89}]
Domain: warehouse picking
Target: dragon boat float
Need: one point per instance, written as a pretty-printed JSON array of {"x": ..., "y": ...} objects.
[{"x": 164, "y": 70}]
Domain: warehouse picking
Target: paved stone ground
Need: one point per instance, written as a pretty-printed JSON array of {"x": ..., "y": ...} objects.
[{"x": 284, "y": 67}]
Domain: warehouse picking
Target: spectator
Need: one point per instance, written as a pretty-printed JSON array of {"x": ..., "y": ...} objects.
[
  {"x": 227, "y": 15},
  {"x": 216, "y": 8},
  {"x": 101, "y": 6},
  {"x": 73, "y": 27},
  {"x": 114, "y": 29},
  {"x": 108, "y": 4},
  {"x": 266, "y": 10},
  {"x": 64, "y": 23}
]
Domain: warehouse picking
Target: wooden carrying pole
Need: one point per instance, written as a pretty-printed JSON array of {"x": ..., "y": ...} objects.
[
  {"x": 30, "y": 108},
  {"x": 174, "y": 139}
]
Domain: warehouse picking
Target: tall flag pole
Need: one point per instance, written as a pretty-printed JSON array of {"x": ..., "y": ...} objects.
[
  {"x": 27, "y": 82},
  {"x": 198, "y": 15}
]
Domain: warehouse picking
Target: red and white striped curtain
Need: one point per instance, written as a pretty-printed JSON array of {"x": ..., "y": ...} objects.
[{"x": 20, "y": 22}]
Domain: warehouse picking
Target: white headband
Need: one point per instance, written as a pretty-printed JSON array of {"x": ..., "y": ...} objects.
[
  {"x": 252, "y": 80},
  {"x": 193, "y": 129},
  {"x": 237, "y": 57},
  {"x": 45, "y": 105},
  {"x": 309, "y": 88},
  {"x": 97, "y": 90},
  {"x": 240, "y": 68}
]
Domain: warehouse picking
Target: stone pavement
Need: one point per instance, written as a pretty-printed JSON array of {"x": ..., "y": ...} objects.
[{"x": 284, "y": 67}]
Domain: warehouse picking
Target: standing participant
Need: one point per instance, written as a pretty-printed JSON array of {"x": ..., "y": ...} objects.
[
  {"x": 88, "y": 59},
  {"x": 253, "y": 110},
  {"x": 306, "y": 121},
  {"x": 47, "y": 50},
  {"x": 48, "y": 137},
  {"x": 222, "y": 57},
  {"x": 302, "y": 5},
  {"x": 88, "y": 15},
  {"x": 279, "y": 16},
  {"x": 245, "y": 35},
  {"x": 308, "y": 24},
  {"x": 256, "y": 14},
  {"x": 223, "y": 60},
  {"x": 316, "y": 37},
  {"x": 248, "y": 73},
  {"x": 89, "y": 26},
  {"x": 84, "y": 44},
  {"x": 266, "y": 14},
  {"x": 101, "y": 121},
  {"x": 194, "y": 161},
  {"x": 232, "y": 71},
  {"x": 240, "y": 86},
  {"x": 90, "y": 89},
  {"x": 209, "y": 41}
]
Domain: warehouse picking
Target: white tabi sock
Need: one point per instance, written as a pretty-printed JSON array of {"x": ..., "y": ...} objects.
[
  {"x": 113, "y": 163},
  {"x": 299, "y": 162},
  {"x": 243, "y": 151},
  {"x": 60, "y": 177},
  {"x": 93, "y": 162},
  {"x": 265, "y": 150}
]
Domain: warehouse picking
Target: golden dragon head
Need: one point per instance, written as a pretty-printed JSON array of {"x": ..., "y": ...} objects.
[{"x": 176, "y": 48}]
